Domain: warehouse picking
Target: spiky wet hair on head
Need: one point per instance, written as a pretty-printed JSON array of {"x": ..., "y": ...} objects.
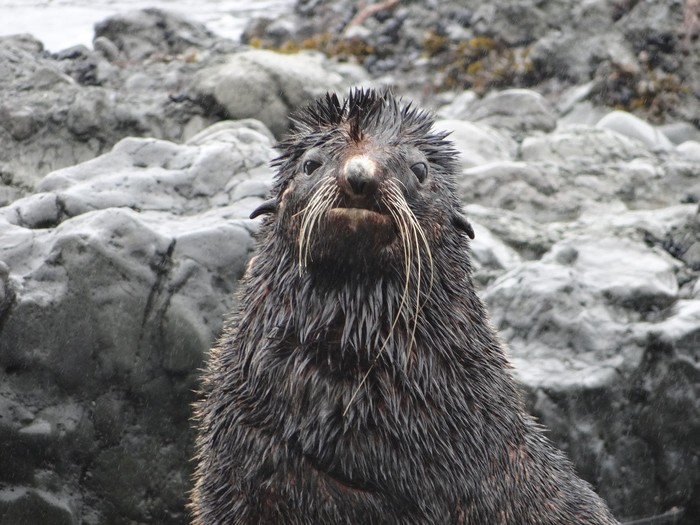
[{"x": 364, "y": 113}]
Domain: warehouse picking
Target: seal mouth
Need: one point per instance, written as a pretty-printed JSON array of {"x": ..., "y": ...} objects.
[
  {"x": 364, "y": 226},
  {"x": 360, "y": 218},
  {"x": 359, "y": 214}
]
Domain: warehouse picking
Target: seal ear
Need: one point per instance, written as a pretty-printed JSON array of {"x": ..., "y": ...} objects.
[
  {"x": 463, "y": 224},
  {"x": 269, "y": 206}
]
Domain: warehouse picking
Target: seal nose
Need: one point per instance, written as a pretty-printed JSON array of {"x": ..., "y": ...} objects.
[{"x": 359, "y": 176}]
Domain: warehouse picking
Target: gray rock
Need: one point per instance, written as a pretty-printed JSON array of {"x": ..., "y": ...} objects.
[
  {"x": 478, "y": 144},
  {"x": 106, "y": 48},
  {"x": 682, "y": 175},
  {"x": 582, "y": 144},
  {"x": 19, "y": 122},
  {"x": 143, "y": 33},
  {"x": 54, "y": 114},
  {"x": 566, "y": 284},
  {"x": 458, "y": 105},
  {"x": 641, "y": 54},
  {"x": 647, "y": 25},
  {"x": 584, "y": 113},
  {"x": 490, "y": 255},
  {"x": 680, "y": 132},
  {"x": 115, "y": 281},
  {"x": 266, "y": 85},
  {"x": 153, "y": 175},
  {"x": 36, "y": 211},
  {"x": 689, "y": 149},
  {"x": 8, "y": 193},
  {"x": 574, "y": 96},
  {"x": 516, "y": 21},
  {"x": 516, "y": 110},
  {"x": 584, "y": 313},
  {"x": 574, "y": 56},
  {"x": 583, "y": 324},
  {"x": 683, "y": 241},
  {"x": 527, "y": 237},
  {"x": 517, "y": 186},
  {"x": 559, "y": 182},
  {"x": 641, "y": 225},
  {"x": 667, "y": 393},
  {"x": 26, "y": 506},
  {"x": 23, "y": 41},
  {"x": 635, "y": 128}
]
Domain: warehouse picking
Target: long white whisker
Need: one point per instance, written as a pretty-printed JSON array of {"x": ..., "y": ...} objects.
[
  {"x": 323, "y": 199},
  {"x": 413, "y": 226},
  {"x": 400, "y": 212}
]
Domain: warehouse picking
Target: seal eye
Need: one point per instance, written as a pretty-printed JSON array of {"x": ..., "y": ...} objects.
[
  {"x": 420, "y": 170},
  {"x": 310, "y": 166}
]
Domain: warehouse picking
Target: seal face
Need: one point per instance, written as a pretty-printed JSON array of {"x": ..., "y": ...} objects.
[
  {"x": 346, "y": 178},
  {"x": 359, "y": 380}
]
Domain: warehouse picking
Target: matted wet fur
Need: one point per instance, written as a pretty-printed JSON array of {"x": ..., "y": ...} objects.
[{"x": 359, "y": 380}]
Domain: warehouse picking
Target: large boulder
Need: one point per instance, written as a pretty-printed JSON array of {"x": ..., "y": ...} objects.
[
  {"x": 141, "y": 34},
  {"x": 602, "y": 342},
  {"x": 478, "y": 144},
  {"x": 519, "y": 111},
  {"x": 589, "y": 267},
  {"x": 63, "y": 109},
  {"x": 634, "y": 127},
  {"x": 266, "y": 85},
  {"x": 114, "y": 282}
]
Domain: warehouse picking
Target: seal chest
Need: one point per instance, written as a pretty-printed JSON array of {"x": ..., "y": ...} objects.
[{"x": 358, "y": 380}]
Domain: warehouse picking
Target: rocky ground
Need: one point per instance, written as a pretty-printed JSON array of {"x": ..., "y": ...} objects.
[{"x": 128, "y": 170}]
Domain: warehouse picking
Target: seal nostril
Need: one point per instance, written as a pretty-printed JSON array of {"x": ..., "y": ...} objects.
[{"x": 358, "y": 182}]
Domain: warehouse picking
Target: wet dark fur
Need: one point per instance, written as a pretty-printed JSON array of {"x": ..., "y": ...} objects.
[{"x": 437, "y": 434}]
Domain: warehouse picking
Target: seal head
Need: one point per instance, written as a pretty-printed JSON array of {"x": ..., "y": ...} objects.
[{"x": 354, "y": 174}]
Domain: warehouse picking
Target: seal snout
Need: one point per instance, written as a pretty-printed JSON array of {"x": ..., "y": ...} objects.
[{"x": 359, "y": 177}]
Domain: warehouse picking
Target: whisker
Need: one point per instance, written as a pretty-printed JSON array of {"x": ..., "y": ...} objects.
[
  {"x": 414, "y": 221},
  {"x": 322, "y": 200},
  {"x": 408, "y": 227},
  {"x": 313, "y": 188},
  {"x": 414, "y": 226},
  {"x": 316, "y": 206},
  {"x": 402, "y": 226}
]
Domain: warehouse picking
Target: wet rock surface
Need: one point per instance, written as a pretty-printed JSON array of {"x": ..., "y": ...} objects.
[
  {"x": 127, "y": 173},
  {"x": 117, "y": 276},
  {"x": 266, "y": 86},
  {"x": 640, "y": 56},
  {"x": 150, "y": 74}
]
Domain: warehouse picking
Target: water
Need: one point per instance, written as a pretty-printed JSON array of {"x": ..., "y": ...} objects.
[{"x": 64, "y": 23}]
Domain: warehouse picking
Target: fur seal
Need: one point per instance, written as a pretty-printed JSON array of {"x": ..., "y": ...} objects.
[{"x": 359, "y": 380}]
